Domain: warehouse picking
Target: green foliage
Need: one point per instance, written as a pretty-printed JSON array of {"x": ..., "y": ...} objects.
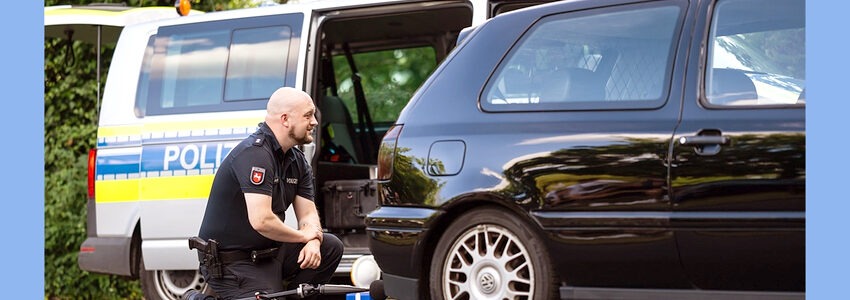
[
  {"x": 70, "y": 101},
  {"x": 389, "y": 79}
]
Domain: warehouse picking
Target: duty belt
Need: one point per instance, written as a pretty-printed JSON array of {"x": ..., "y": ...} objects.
[
  {"x": 227, "y": 257},
  {"x": 208, "y": 250}
]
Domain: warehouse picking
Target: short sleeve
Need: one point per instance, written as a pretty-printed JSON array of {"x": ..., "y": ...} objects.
[{"x": 254, "y": 170}]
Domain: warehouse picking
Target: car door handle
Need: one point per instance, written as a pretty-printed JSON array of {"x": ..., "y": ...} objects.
[
  {"x": 705, "y": 145},
  {"x": 703, "y": 140}
]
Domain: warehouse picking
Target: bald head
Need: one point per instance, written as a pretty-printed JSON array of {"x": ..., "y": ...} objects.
[
  {"x": 284, "y": 99},
  {"x": 290, "y": 114}
]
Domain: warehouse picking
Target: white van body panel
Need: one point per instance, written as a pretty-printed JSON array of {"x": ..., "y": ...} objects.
[
  {"x": 117, "y": 214},
  {"x": 119, "y": 93}
]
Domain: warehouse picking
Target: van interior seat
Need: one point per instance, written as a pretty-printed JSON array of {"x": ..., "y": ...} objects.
[
  {"x": 572, "y": 84},
  {"x": 730, "y": 85},
  {"x": 337, "y": 124}
]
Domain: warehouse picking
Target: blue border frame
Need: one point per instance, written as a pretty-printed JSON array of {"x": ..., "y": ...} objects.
[
  {"x": 826, "y": 207},
  {"x": 22, "y": 217}
]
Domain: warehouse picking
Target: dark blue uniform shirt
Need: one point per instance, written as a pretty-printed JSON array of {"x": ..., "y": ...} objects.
[{"x": 255, "y": 165}]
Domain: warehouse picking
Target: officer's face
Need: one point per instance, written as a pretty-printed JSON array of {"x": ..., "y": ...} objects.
[{"x": 303, "y": 123}]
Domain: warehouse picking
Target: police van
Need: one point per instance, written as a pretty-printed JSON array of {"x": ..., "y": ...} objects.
[{"x": 182, "y": 92}]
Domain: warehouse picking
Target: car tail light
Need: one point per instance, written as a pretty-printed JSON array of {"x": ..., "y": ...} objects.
[
  {"x": 91, "y": 166},
  {"x": 386, "y": 154}
]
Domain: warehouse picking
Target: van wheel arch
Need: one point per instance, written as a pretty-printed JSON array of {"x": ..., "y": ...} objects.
[
  {"x": 162, "y": 284},
  {"x": 135, "y": 251}
]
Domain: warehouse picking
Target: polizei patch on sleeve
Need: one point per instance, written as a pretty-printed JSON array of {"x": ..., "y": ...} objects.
[{"x": 257, "y": 175}]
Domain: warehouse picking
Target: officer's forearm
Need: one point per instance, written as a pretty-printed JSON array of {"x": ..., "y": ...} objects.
[
  {"x": 308, "y": 216},
  {"x": 269, "y": 225},
  {"x": 273, "y": 228}
]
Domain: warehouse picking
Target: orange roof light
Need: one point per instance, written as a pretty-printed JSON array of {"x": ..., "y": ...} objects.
[{"x": 183, "y": 7}]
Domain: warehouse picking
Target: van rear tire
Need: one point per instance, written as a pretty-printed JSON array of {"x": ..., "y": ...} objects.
[{"x": 170, "y": 284}]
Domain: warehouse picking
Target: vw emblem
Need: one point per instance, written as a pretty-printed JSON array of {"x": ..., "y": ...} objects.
[{"x": 487, "y": 282}]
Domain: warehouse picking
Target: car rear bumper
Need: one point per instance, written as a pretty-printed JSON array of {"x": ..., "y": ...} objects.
[
  {"x": 107, "y": 255},
  {"x": 396, "y": 238}
]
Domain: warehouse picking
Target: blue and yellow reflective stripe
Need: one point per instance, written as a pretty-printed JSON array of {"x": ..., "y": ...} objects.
[
  {"x": 167, "y": 132},
  {"x": 122, "y": 190},
  {"x": 155, "y": 188},
  {"x": 170, "y": 188},
  {"x": 177, "y": 162},
  {"x": 119, "y": 136},
  {"x": 201, "y": 124}
]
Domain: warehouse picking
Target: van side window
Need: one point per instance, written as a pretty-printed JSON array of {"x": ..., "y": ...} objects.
[
  {"x": 609, "y": 58},
  {"x": 756, "y": 63},
  {"x": 222, "y": 65},
  {"x": 194, "y": 67},
  {"x": 257, "y": 57},
  {"x": 144, "y": 80}
]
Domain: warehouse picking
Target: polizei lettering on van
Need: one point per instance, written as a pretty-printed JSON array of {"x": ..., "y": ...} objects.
[{"x": 186, "y": 157}]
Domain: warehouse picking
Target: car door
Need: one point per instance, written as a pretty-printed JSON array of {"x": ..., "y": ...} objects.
[{"x": 738, "y": 170}]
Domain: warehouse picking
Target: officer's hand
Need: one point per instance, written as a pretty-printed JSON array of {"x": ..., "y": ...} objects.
[
  {"x": 310, "y": 256},
  {"x": 309, "y": 233}
]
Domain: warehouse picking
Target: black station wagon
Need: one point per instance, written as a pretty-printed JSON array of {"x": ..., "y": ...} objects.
[{"x": 604, "y": 149}]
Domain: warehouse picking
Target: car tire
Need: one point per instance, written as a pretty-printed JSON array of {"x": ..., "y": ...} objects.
[
  {"x": 170, "y": 284},
  {"x": 490, "y": 253}
]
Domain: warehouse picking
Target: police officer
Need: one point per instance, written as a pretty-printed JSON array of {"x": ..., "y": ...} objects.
[{"x": 252, "y": 188}]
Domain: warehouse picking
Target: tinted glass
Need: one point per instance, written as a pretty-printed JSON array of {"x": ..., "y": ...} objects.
[
  {"x": 757, "y": 53},
  {"x": 193, "y": 73},
  {"x": 226, "y": 65},
  {"x": 257, "y": 62},
  {"x": 591, "y": 59},
  {"x": 144, "y": 80}
]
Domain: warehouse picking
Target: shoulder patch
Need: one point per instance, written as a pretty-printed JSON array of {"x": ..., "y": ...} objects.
[
  {"x": 258, "y": 175},
  {"x": 258, "y": 141}
]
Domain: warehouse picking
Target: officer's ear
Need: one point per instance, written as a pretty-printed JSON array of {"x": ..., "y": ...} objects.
[{"x": 284, "y": 119}]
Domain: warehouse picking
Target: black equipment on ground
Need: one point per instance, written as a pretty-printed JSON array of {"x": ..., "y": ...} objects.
[{"x": 304, "y": 290}]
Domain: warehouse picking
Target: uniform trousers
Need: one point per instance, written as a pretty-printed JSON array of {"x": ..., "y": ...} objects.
[{"x": 241, "y": 279}]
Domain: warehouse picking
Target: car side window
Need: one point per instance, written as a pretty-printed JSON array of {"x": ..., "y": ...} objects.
[
  {"x": 221, "y": 65},
  {"x": 609, "y": 58},
  {"x": 759, "y": 59}
]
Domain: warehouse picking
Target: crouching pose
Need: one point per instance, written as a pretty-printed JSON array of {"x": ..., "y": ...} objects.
[{"x": 250, "y": 249}]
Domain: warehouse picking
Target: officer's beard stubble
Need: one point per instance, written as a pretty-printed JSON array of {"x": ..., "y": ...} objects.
[{"x": 305, "y": 138}]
